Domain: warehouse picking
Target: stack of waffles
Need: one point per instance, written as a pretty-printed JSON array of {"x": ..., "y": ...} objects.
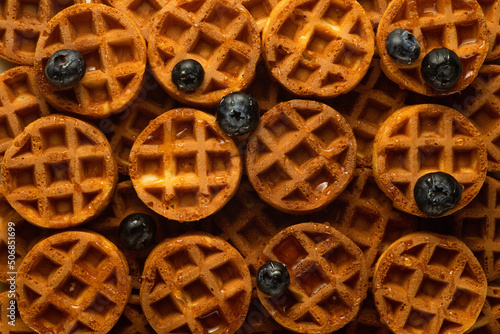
[{"x": 325, "y": 184}]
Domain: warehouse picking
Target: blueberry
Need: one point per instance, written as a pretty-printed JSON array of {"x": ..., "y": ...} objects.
[
  {"x": 402, "y": 46},
  {"x": 188, "y": 75},
  {"x": 237, "y": 114},
  {"x": 65, "y": 68},
  {"x": 137, "y": 231},
  {"x": 441, "y": 69},
  {"x": 273, "y": 278},
  {"x": 437, "y": 193}
]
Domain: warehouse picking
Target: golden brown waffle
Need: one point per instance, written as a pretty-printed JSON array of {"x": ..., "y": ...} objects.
[
  {"x": 247, "y": 223},
  {"x": 364, "y": 214},
  {"x": 429, "y": 283},
  {"x": 374, "y": 10},
  {"x": 21, "y": 24},
  {"x": 476, "y": 226},
  {"x": 125, "y": 202},
  {"x": 20, "y": 235},
  {"x": 458, "y": 25},
  {"x": 20, "y": 103},
  {"x": 260, "y": 10},
  {"x": 114, "y": 51},
  {"x": 133, "y": 320},
  {"x": 488, "y": 321},
  {"x": 183, "y": 166},
  {"x": 59, "y": 172},
  {"x": 301, "y": 156},
  {"x": 367, "y": 321},
  {"x": 151, "y": 103},
  {"x": 328, "y": 274},
  {"x": 7, "y": 325},
  {"x": 195, "y": 284},
  {"x": 73, "y": 282},
  {"x": 491, "y": 10},
  {"x": 141, "y": 11},
  {"x": 367, "y": 106},
  {"x": 480, "y": 103},
  {"x": 259, "y": 320},
  {"x": 220, "y": 34},
  {"x": 422, "y": 139},
  {"x": 318, "y": 48}
]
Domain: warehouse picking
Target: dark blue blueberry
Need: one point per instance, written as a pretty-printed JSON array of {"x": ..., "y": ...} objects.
[
  {"x": 188, "y": 75},
  {"x": 273, "y": 278},
  {"x": 237, "y": 114},
  {"x": 437, "y": 193},
  {"x": 137, "y": 231},
  {"x": 65, "y": 68},
  {"x": 441, "y": 69},
  {"x": 402, "y": 46}
]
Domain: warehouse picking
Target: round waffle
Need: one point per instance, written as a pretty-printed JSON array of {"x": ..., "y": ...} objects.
[
  {"x": 488, "y": 321},
  {"x": 480, "y": 103},
  {"x": 151, "y": 103},
  {"x": 140, "y": 11},
  {"x": 16, "y": 236},
  {"x": 367, "y": 106},
  {"x": 59, "y": 172},
  {"x": 125, "y": 202},
  {"x": 114, "y": 52},
  {"x": 20, "y": 103},
  {"x": 328, "y": 278},
  {"x": 476, "y": 226},
  {"x": 183, "y": 166},
  {"x": 11, "y": 322},
  {"x": 195, "y": 284},
  {"x": 301, "y": 156},
  {"x": 491, "y": 10},
  {"x": 21, "y": 24},
  {"x": 73, "y": 282},
  {"x": 458, "y": 25},
  {"x": 364, "y": 214},
  {"x": 429, "y": 283},
  {"x": 220, "y": 34},
  {"x": 318, "y": 48},
  {"x": 427, "y": 138}
]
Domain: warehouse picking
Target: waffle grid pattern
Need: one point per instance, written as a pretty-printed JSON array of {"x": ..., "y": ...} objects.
[
  {"x": 429, "y": 285},
  {"x": 200, "y": 286},
  {"x": 260, "y": 10},
  {"x": 183, "y": 166},
  {"x": 488, "y": 321},
  {"x": 457, "y": 25},
  {"x": 69, "y": 270},
  {"x": 301, "y": 156},
  {"x": 61, "y": 174},
  {"x": 133, "y": 320},
  {"x": 318, "y": 48},
  {"x": 422, "y": 139},
  {"x": 114, "y": 52},
  {"x": 20, "y": 104},
  {"x": 491, "y": 10},
  {"x": 228, "y": 45},
  {"x": 328, "y": 278}
]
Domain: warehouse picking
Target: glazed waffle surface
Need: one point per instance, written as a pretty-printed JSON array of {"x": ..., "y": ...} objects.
[
  {"x": 491, "y": 10},
  {"x": 328, "y": 274},
  {"x": 427, "y": 138},
  {"x": 21, "y": 103},
  {"x": 115, "y": 55},
  {"x": 301, "y": 156},
  {"x": 458, "y": 25},
  {"x": 429, "y": 283},
  {"x": 260, "y": 10},
  {"x": 364, "y": 214},
  {"x": 22, "y": 22},
  {"x": 488, "y": 321},
  {"x": 220, "y": 34},
  {"x": 183, "y": 166},
  {"x": 59, "y": 172},
  {"x": 318, "y": 48},
  {"x": 71, "y": 282},
  {"x": 195, "y": 284}
]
